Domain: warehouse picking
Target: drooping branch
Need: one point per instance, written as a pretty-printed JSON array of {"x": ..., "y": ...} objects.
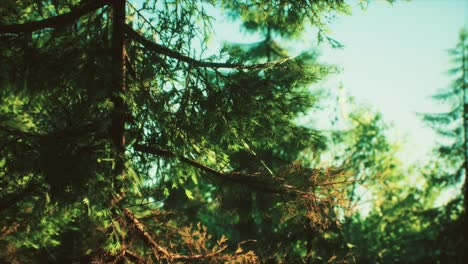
[
  {"x": 55, "y": 21},
  {"x": 170, "y": 154},
  {"x": 252, "y": 180},
  {"x": 160, "y": 49},
  {"x": 257, "y": 181}
]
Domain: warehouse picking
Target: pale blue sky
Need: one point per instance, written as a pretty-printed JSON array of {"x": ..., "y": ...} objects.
[{"x": 394, "y": 59}]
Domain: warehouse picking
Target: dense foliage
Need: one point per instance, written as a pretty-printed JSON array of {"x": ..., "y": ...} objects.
[{"x": 122, "y": 142}]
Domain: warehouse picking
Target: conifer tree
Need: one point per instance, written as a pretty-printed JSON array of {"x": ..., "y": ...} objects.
[
  {"x": 452, "y": 125},
  {"x": 109, "y": 110}
]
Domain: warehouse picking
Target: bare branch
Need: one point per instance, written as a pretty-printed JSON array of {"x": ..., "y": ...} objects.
[
  {"x": 160, "y": 49},
  {"x": 55, "y": 21}
]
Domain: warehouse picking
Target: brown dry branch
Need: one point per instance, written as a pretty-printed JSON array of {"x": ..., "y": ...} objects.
[
  {"x": 7, "y": 230},
  {"x": 193, "y": 239},
  {"x": 145, "y": 236},
  {"x": 322, "y": 192},
  {"x": 312, "y": 193}
]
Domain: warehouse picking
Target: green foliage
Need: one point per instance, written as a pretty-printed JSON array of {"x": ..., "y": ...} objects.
[
  {"x": 205, "y": 143},
  {"x": 287, "y": 18},
  {"x": 212, "y": 141}
]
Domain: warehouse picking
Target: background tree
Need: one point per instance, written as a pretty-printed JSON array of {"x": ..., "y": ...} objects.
[
  {"x": 452, "y": 125},
  {"x": 406, "y": 221}
]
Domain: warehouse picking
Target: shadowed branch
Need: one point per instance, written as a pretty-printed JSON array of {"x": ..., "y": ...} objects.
[
  {"x": 55, "y": 21},
  {"x": 155, "y": 47},
  {"x": 252, "y": 180}
]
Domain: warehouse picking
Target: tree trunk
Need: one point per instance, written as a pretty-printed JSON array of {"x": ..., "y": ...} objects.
[
  {"x": 465, "y": 142},
  {"x": 118, "y": 90}
]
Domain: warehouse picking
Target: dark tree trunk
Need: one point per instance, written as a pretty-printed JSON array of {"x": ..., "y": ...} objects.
[
  {"x": 117, "y": 90},
  {"x": 465, "y": 155},
  {"x": 310, "y": 236}
]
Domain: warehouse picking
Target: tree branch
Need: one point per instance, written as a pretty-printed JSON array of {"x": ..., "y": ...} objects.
[
  {"x": 160, "y": 49},
  {"x": 6, "y": 231},
  {"x": 18, "y": 132},
  {"x": 252, "y": 180},
  {"x": 161, "y": 251},
  {"x": 6, "y": 202},
  {"x": 135, "y": 258},
  {"x": 55, "y": 21},
  {"x": 87, "y": 128}
]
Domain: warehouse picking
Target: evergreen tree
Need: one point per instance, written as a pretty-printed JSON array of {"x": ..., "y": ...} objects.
[
  {"x": 112, "y": 128},
  {"x": 452, "y": 125},
  {"x": 396, "y": 217},
  {"x": 405, "y": 224}
]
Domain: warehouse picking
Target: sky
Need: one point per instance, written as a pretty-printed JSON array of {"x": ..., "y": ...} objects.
[{"x": 394, "y": 58}]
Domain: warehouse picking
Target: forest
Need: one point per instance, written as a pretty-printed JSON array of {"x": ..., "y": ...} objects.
[{"x": 126, "y": 137}]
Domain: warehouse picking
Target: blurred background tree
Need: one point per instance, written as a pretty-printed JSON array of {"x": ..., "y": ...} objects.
[{"x": 417, "y": 213}]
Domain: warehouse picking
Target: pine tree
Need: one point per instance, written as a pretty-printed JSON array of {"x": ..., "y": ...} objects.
[
  {"x": 112, "y": 128},
  {"x": 452, "y": 125}
]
